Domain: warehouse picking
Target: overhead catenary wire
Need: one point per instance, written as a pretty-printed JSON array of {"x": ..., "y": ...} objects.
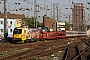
[
  {"x": 16, "y": 6},
  {"x": 70, "y": 4},
  {"x": 81, "y": 1}
]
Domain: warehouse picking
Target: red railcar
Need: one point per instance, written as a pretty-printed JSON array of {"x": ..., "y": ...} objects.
[
  {"x": 51, "y": 34},
  {"x": 59, "y": 34}
]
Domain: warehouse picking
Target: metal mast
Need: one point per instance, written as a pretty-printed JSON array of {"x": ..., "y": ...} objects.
[
  {"x": 35, "y": 22},
  {"x": 53, "y": 10},
  {"x": 57, "y": 13},
  {"x": 5, "y": 18}
]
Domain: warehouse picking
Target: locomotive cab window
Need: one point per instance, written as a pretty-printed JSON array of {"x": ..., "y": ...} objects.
[{"x": 17, "y": 31}]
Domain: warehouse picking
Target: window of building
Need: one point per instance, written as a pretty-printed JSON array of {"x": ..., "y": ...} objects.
[
  {"x": 1, "y": 30},
  {"x": 11, "y": 22},
  {"x": 1, "y": 22},
  {"x": 11, "y": 30},
  {"x": 23, "y": 22}
]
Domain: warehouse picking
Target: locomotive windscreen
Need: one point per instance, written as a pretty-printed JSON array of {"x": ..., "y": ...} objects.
[{"x": 17, "y": 31}]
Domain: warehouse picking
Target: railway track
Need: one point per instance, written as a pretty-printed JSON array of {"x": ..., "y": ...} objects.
[
  {"x": 40, "y": 50},
  {"x": 75, "y": 52},
  {"x": 72, "y": 51}
]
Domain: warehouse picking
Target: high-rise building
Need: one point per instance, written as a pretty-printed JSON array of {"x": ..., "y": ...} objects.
[{"x": 78, "y": 17}]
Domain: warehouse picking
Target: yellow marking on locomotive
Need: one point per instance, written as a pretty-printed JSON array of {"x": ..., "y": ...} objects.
[
  {"x": 16, "y": 35},
  {"x": 21, "y": 35}
]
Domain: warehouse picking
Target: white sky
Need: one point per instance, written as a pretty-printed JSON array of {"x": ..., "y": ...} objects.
[{"x": 63, "y": 12}]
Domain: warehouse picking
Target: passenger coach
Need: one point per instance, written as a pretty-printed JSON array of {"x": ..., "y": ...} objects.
[{"x": 70, "y": 33}]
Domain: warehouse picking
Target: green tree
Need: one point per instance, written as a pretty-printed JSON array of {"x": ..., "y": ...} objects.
[
  {"x": 31, "y": 22},
  {"x": 39, "y": 24},
  {"x": 67, "y": 26}
]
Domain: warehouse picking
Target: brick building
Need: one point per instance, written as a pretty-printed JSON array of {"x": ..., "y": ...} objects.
[
  {"x": 78, "y": 17},
  {"x": 49, "y": 22}
]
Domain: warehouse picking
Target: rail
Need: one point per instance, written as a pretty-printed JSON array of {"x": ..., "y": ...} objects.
[
  {"x": 82, "y": 51},
  {"x": 78, "y": 52},
  {"x": 66, "y": 54}
]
